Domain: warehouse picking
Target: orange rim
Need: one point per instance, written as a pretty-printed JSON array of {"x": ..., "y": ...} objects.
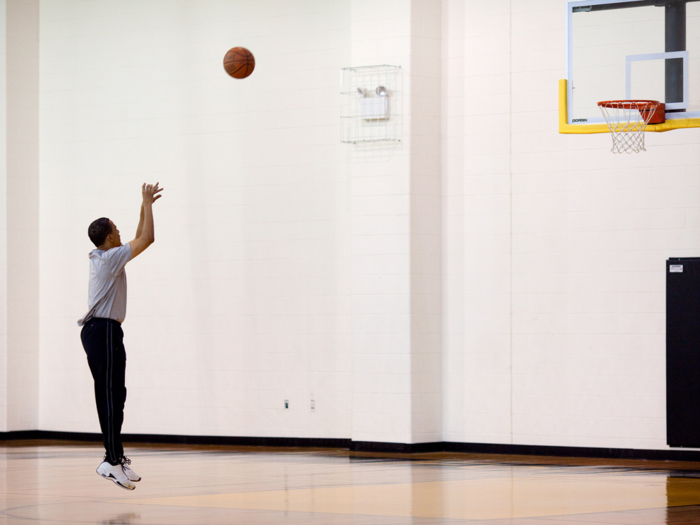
[{"x": 629, "y": 104}]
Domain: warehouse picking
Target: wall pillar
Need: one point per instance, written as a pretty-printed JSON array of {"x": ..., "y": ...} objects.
[
  {"x": 396, "y": 225},
  {"x": 22, "y": 214}
]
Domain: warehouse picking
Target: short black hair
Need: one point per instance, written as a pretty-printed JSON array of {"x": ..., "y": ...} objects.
[{"x": 99, "y": 230}]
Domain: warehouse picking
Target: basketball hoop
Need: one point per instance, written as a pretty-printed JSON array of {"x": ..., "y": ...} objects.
[{"x": 627, "y": 120}]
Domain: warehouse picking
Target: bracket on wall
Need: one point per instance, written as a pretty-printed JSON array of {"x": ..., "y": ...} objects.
[{"x": 370, "y": 104}]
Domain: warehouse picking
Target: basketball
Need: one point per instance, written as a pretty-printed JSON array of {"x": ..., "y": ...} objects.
[{"x": 239, "y": 62}]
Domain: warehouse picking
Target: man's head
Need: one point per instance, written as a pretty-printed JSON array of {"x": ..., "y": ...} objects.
[{"x": 104, "y": 234}]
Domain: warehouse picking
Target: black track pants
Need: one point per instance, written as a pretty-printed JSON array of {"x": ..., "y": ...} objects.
[{"x": 103, "y": 341}]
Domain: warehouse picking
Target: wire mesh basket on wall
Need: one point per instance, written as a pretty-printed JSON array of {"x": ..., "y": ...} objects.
[{"x": 370, "y": 104}]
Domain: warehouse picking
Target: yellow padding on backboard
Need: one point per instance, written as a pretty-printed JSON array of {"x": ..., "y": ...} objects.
[{"x": 582, "y": 129}]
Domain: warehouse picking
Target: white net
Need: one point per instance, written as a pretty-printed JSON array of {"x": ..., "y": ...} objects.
[{"x": 627, "y": 120}]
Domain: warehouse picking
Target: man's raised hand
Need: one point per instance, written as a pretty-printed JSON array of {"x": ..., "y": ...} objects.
[
  {"x": 145, "y": 235},
  {"x": 150, "y": 193}
]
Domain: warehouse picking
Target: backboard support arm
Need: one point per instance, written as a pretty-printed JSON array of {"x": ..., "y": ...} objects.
[{"x": 627, "y": 5}]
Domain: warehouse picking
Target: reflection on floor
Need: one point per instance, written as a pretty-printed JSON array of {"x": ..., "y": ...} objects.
[{"x": 55, "y": 482}]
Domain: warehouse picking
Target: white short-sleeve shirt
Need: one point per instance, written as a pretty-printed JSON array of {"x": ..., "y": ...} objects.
[{"x": 107, "y": 290}]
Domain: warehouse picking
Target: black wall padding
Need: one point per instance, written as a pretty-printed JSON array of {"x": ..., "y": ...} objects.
[{"x": 683, "y": 352}]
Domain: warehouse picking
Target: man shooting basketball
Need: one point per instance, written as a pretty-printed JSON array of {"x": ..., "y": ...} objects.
[{"x": 102, "y": 335}]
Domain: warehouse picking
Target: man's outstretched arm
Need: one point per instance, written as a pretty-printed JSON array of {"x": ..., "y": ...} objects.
[
  {"x": 145, "y": 234},
  {"x": 139, "y": 229}
]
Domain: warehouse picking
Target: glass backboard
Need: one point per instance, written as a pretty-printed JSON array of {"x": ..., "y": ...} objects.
[{"x": 621, "y": 49}]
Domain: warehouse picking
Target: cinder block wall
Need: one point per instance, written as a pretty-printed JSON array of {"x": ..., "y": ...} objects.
[
  {"x": 243, "y": 301},
  {"x": 269, "y": 279},
  {"x": 557, "y": 247}
]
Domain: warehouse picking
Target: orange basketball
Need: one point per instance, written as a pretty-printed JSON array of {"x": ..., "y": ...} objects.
[{"x": 239, "y": 62}]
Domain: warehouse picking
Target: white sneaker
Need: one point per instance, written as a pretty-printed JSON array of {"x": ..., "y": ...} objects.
[
  {"x": 116, "y": 474},
  {"x": 133, "y": 476}
]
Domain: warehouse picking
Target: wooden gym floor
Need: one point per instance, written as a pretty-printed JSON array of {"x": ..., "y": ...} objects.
[{"x": 55, "y": 482}]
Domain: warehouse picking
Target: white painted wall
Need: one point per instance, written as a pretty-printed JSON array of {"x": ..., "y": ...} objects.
[
  {"x": 381, "y": 241},
  {"x": 487, "y": 281},
  {"x": 426, "y": 221},
  {"x": 3, "y": 216},
  {"x": 20, "y": 272},
  {"x": 477, "y": 236},
  {"x": 561, "y": 246},
  {"x": 396, "y": 219},
  {"x": 244, "y": 299}
]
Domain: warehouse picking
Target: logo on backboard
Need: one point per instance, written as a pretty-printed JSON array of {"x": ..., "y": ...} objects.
[{"x": 579, "y": 120}]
